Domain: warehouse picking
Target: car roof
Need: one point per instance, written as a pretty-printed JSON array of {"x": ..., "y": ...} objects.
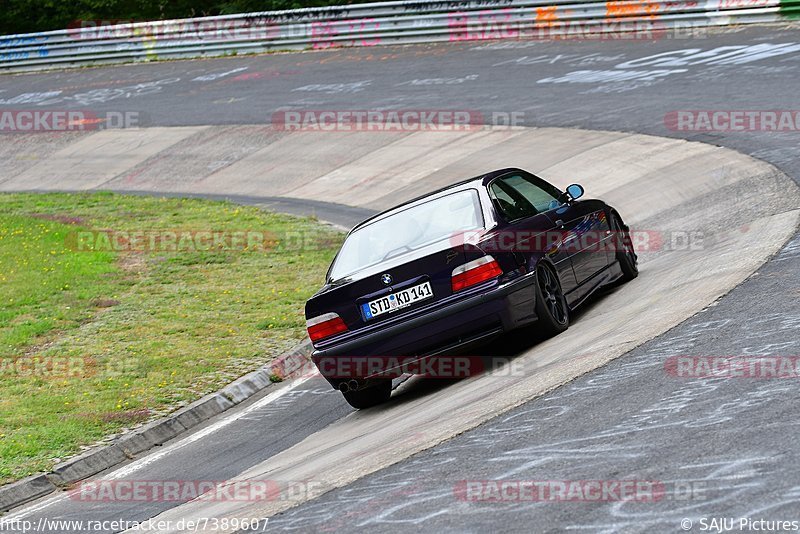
[{"x": 482, "y": 179}]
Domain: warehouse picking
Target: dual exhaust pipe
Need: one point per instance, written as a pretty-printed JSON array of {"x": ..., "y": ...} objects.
[{"x": 350, "y": 385}]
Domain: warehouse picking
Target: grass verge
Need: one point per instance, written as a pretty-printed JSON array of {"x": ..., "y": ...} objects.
[{"x": 101, "y": 330}]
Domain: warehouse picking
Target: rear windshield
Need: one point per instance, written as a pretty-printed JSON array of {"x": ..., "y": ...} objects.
[{"x": 407, "y": 230}]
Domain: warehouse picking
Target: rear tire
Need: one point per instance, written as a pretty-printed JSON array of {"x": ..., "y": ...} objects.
[
  {"x": 370, "y": 396},
  {"x": 623, "y": 246},
  {"x": 551, "y": 305}
]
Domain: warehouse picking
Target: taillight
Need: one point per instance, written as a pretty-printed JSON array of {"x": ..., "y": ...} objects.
[
  {"x": 324, "y": 326},
  {"x": 475, "y": 272}
]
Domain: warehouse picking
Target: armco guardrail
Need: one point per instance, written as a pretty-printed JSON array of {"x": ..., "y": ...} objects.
[{"x": 374, "y": 24}]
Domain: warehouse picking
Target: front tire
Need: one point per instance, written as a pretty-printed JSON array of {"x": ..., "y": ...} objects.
[
  {"x": 369, "y": 396},
  {"x": 551, "y": 305}
]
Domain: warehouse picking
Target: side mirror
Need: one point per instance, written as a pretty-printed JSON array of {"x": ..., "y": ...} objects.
[{"x": 575, "y": 191}]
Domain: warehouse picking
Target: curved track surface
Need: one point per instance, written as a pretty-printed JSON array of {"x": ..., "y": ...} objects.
[{"x": 745, "y": 209}]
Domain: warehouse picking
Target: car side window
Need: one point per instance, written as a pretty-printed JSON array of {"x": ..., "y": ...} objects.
[
  {"x": 506, "y": 203},
  {"x": 517, "y": 196}
]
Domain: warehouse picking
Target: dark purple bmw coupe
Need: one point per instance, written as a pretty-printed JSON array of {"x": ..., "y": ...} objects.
[{"x": 456, "y": 267}]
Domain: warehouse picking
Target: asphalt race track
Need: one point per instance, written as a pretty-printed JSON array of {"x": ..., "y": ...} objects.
[{"x": 732, "y": 443}]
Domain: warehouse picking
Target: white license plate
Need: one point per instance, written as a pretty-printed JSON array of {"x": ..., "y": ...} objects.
[{"x": 396, "y": 301}]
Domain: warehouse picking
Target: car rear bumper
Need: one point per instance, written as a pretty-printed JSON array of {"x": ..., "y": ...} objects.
[{"x": 447, "y": 329}]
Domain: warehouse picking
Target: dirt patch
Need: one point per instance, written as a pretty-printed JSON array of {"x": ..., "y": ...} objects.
[
  {"x": 63, "y": 219},
  {"x": 104, "y": 303}
]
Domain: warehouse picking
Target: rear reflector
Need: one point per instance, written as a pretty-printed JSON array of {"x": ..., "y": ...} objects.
[
  {"x": 325, "y": 325},
  {"x": 475, "y": 272}
]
